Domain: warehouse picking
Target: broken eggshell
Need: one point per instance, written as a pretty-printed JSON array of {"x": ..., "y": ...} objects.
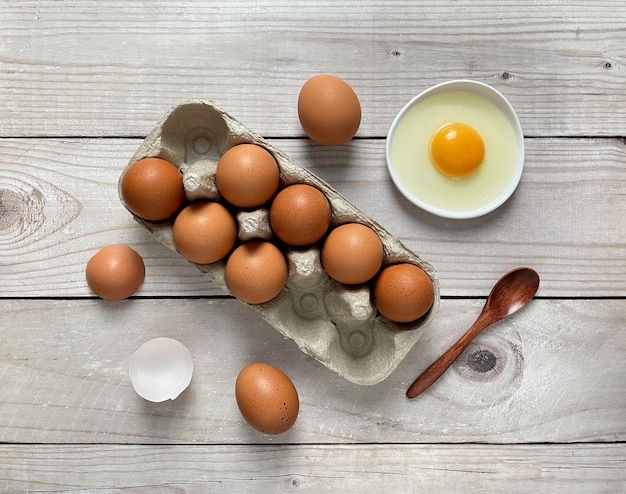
[
  {"x": 335, "y": 324},
  {"x": 161, "y": 369}
]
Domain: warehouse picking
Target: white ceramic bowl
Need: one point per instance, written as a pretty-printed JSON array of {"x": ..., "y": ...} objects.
[{"x": 477, "y": 195}]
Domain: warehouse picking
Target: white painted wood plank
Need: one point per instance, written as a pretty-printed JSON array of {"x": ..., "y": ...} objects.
[
  {"x": 60, "y": 205},
  {"x": 559, "y": 377},
  {"x": 575, "y": 468},
  {"x": 91, "y": 68}
]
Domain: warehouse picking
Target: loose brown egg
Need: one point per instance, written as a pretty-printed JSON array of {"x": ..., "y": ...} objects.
[
  {"x": 267, "y": 398},
  {"x": 300, "y": 215},
  {"x": 352, "y": 253},
  {"x": 152, "y": 189},
  {"x": 403, "y": 292},
  {"x": 329, "y": 110},
  {"x": 204, "y": 232},
  {"x": 247, "y": 175},
  {"x": 115, "y": 272},
  {"x": 256, "y": 272}
]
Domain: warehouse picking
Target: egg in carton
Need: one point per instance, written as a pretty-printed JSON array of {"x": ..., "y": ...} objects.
[{"x": 336, "y": 324}]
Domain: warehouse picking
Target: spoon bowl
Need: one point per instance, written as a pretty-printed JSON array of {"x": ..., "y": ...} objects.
[{"x": 512, "y": 292}]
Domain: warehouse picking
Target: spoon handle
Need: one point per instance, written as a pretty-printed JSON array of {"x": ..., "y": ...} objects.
[{"x": 439, "y": 366}]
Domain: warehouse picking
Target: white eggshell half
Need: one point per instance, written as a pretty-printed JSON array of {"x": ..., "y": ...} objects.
[{"x": 161, "y": 369}]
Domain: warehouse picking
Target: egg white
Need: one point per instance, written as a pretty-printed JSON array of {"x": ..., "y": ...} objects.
[{"x": 411, "y": 165}]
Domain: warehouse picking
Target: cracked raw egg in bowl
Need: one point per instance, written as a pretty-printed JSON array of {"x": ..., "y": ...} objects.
[{"x": 456, "y": 150}]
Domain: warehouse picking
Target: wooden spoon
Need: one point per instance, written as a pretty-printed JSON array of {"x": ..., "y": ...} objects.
[{"x": 512, "y": 292}]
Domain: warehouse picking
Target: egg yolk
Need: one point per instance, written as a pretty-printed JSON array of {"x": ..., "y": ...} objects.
[{"x": 457, "y": 150}]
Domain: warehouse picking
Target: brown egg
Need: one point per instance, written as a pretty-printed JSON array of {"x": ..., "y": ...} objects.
[
  {"x": 300, "y": 215},
  {"x": 352, "y": 253},
  {"x": 403, "y": 292},
  {"x": 115, "y": 272},
  {"x": 329, "y": 110},
  {"x": 267, "y": 398},
  {"x": 247, "y": 175},
  {"x": 204, "y": 232},
  {"x": 256, "y": 272},
  {"x": 152, "y": 188}
]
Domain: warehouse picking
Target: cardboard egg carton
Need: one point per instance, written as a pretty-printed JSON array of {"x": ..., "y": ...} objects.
[{"x": 336, "y": 324}]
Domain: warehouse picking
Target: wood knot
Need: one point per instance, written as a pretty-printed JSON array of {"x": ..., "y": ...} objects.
[
  {"x": 483, "y": 361},
  {"x": 8, "y": 209},
  {"x": 20, "y": 210},
  {"x": 30, "y": 212},
  {"x": 488, "y": 372}
]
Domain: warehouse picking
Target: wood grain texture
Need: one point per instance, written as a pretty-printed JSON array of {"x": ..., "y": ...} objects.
[
  {"x": 555, "y": 378},
  {"x": 309, "y": 468},
  {"x": 91, "y": 68},
  {"x": 537, "y": 404},
  {"x": 59, "y": 205}
]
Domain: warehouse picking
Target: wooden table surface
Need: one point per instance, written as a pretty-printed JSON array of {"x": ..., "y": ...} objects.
[{"x": 82, "y": 82}]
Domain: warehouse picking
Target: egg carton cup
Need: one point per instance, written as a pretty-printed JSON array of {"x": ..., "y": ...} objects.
[{"x": 336, "y": 324}]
